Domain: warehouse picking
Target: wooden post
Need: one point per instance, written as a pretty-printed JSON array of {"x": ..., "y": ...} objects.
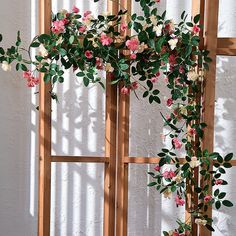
[
  {"x": 110, "y": 147},
  {"x": 212, "y": 8},
  {"x": 44, "y": 134}
]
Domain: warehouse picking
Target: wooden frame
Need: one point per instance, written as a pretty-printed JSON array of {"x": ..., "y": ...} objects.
[{"x": 117, "y": 162}]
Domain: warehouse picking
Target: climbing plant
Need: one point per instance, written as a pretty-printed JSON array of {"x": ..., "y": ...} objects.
[{"x": 158, "y": 49}]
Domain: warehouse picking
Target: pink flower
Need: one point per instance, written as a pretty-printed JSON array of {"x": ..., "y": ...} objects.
[
  {"x": 196, "y": 29},
  {"x": 207, "y": 198},
  {"x": 158, "y": 74},
  {"x": 99, "y": 63},
  {"x": 31, "y": 80},
  {"x": 175, "y": 234},
  {"x": 166, "y": 79},
  {"x": 125, "y": 90},
  {"x": 105, "y": 40},
  {"x": 82, "y": 28},
  {"x": 134, "y": 85},
  {"x": 179, "y": 201},
  {"x": 172, "y": 59},
  {"x": 168, "y": 117},
  {"x": 58, "y": 26},
  {"x": 169, "y": 102},
  {"x": 177, "y": 144},
  {"x": 88, "y": 54},
  {"x": 218, "y": 181},
  {"x": 132, "y": 44},
  {"x": 181, "y": 70},
  {"x": 133, "y": 56},
  {"x": 168, "y": 174},
  {"x": 26, "y": 74},
  {"x": 157, "y": 168},
  {"x": 87, "y": 13},
  {"x": 154, "y": 79},
  {"x": 75, "y": 9},
  {"x": 157, "y": 0},
  {"x": 192, "y": 132},
  {"x": 123, "y": 26}
]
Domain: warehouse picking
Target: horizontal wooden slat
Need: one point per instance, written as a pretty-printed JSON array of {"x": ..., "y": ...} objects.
[
  {"x": 226, "y": 46},
  {"x": 89, "y": 159},
  {"x": 146, "y": 160}
]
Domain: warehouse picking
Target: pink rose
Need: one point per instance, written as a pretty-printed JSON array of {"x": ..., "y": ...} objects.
[
  {"x": 158, "y": 74},
  {"x": 181, "y": 70},
  {"x": 125, "y": 90},
  {"x": 82, "y": 28},
  {"x": 134, "y": 85},
  {"x": 172, "y": 59},
  {"x": 75, "y": 9},
  {"x": 207, "y": 198},
  {"x": 133, "y": 56},
  {"x": 192, "y": 132},
  {"x": 87, "y": 13},
  {"x": 58, "y": 26},
  {"x": 105, "y": 40},
  {"x": 157, "y": 168},
  {"x": 177, "y": 144},
  {"x": 123, "y": 26},
  {"x": 196, "y": 29},
  {"x": 154, "y": 79},
  {"x": 26, "y": 74},
  {"x": 179, "y": 201},
  {"x": 169, "y": 102},
  {"x": 132, "y": 44},
  {"x": 166, "y": 79},
  {"x": 99, "y": 63},
  {"x": 168, "y": 174},
  {"x": 218, "y": 181},
  {"x": 88, "y": 54}
]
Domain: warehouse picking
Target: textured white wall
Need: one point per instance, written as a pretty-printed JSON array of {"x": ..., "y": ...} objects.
[{"x": 78, "y": 129}]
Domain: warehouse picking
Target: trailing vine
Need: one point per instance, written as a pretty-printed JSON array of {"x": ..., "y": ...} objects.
[{"x": 158, "y": 48}]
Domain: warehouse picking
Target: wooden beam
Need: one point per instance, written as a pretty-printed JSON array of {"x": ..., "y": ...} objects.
[
  {"x": 88, "y": 159},
  {"x": 44, "y": 189},
  {"x": 226, "y": 46},
  {"x": 110, "y": 146},
  {"x": 147, "y": 160},
  {"x": 212, "y": 9}
]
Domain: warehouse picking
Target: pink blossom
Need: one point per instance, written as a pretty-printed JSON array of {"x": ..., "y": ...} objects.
[
  {"x": 181, "y": 70},
  {"x": 82, "y": 28},
  {"x": 75, "y": 9},
  {"x": 207, "y": 198},
  {"x": 134, "y": 85},
  {"x": 125, "y": 90},
  {"x": 88, "y": 54},
  {"x": 133, "y": 56},
  {"x": 105, "y": 40},
  {"x": 168, "y": 174},
  {"x": 132, "y": 44},
  {"x": 166, "y": 79},
  {"x": 177, "y": 144},
  {"x": 157, "y": 168},
  {"x": 58, "y": 26},
  {"x": 123, "y": 26},
  {"x": 192, "y": 132},
  {"x": 27, "y": 74},
  {"x": 179, "y": 201},
  {"x": 154, "y": 79},
  {"x": 175, "y": 234},
  {"x": 31, "y": 80},
  {"x": 168, "y": 117},
  {"x": 169, "y": 102},
  {"x": 157, "y": 1},
  {"x": 177, "y": 81},
  {"x": 172, "y": 59},
  {"x": 218, "y": 181},
  {"x": 87, "y": 13},
  {"x": 196, "y": 29},
  {"x": 99, "y": 63},
  {"x": 158, "y": 74}
]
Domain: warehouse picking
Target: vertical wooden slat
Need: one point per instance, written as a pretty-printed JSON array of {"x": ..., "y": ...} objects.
[
  {"x": 212, "y": 8},
  {"x": 123, "y": 151},
  {"x": 44, "y": 135},
  {"x": 110, "y": 147}
]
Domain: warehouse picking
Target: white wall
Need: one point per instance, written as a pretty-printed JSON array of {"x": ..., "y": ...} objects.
[{"x": 78, "y": 129}]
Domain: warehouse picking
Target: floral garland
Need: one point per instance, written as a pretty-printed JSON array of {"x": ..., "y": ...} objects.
[{"x": 89, "y": 45}]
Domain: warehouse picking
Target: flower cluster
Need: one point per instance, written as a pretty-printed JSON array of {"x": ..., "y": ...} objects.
[{"x": 158, "y": 48}]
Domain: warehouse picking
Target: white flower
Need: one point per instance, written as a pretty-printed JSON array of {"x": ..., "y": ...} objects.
[
  {"x": 158, "y": 30},
  {"x": 142, "y": 47},
  {"x": 178, "y": 179},
  {"x": 109, "y": 67},
  {"x": 192, "y": 75},
  {"x": 43, "y": 51},
  {"x": 172, "y": 43},
  {"x": 183, "y": 110},
  {"x": 167, "y": 193},
  {"x": 200, "y": 221},
  {"x": 6, "y": 66},
  {"x": 153, "y": 19},
  {"x": 63, "y": 12},
  {"x": 194, "y": 162},
  {"x": 88, "y": 20}
]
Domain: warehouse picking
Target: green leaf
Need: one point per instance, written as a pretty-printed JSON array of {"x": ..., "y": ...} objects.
[
  {"x": 159, "y": 44},
  {"x": 23, "y": 67},
  {"x": 47, "y": 78},
  {"x": 216, "y": 193},
  {"x": 227, "y": 203},
  {"x": 209, "y": 227},
  {"x": 228, "y": 157},
  {"x": 86, "y": 81},
  {"x": 217, "y": 205},
  {"x": 124, "y": 66},
  {"x": 71, "y": 39},
  {"x": 185, "y": 166},
  {"x": 0, "y": 38},
  {"x": 80, "y": 74},
  {"x": 222, "y": 195},
  {"x": 145, "y": 94},
  {"x": 62, "y": 51},
  {"x": 152, "y": 184},
  {"x": 227, "y": 165},
  {"x": 196, "y": 19},
  {"x": 34, "y": 44},
  {"x": 60, "y": 79}
]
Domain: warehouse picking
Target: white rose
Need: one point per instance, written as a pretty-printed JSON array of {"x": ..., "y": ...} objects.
[
  {"x": 153, "y": 19},
  {"x": 167, "y": 193},
  {"x": 173, "y": 43},
  {"x": 158, "y": 30},
  {"x": 200, "y": 221},
  {"x": 109, "y": 67},
  {"x": 183, "y": 110},
  {"x": 6, "y": 66},
  {"x": 178, "y": 179},
  {"x": 43, "y": 51},
  {"x": 192, "y": 75},
  {"x": 194, "y": 162},
  {"x": 142, "y": 47},
  {"x": 88, "y": 20}
]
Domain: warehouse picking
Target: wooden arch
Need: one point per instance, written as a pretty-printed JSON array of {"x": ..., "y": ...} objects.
[{"x": 116, "y": 162}]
